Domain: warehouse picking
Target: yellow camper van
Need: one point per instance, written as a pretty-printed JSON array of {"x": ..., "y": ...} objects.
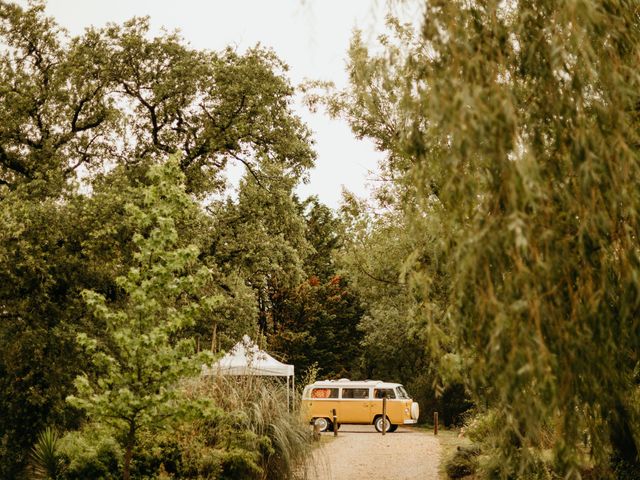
[{"x": 357, "y": 402}]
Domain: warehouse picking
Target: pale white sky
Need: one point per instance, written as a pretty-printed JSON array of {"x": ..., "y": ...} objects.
[{"x": 312, "y": 37}]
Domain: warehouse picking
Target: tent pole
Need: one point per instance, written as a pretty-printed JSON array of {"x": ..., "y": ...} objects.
[
  {"x": 288, "y": 406},
  {"x": 293, "y": 390}
]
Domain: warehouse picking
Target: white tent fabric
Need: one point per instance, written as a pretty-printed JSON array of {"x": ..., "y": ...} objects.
[{"x": 245, "y": 358}]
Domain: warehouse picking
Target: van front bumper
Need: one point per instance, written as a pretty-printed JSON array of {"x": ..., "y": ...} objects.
[{"x": 410, "y": 421}]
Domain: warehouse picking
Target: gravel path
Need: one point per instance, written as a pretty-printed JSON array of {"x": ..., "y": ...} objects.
[{"x": 359, "y": 452}]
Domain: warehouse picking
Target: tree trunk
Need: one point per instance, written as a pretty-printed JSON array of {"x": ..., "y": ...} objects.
[
  {"x": 262, "y": 314},
  {"x": 214, "y": 338},
  {"x": 131, "y": 437}
]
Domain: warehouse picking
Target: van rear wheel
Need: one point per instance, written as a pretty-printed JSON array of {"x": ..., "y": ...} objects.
[
  {"x": 378, "y": 422},
  {"x": 323, "y": 424},
  {"x": 393, "y": 428}
]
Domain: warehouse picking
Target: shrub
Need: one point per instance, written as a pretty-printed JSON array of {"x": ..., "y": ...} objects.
[
  {"x": 482, "y": 426},
  {"x": 157, "y": 454},
  {"x": 254, "y": 417},
  {"x": 463, "y": 462},
  {"x": 240, "y": 463},
  {"x": 238, "y": 428},
  {"x": 91, "y": 453},
  {"x": 623, "y": 470}
]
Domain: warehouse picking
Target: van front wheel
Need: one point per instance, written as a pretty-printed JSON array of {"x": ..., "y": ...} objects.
[
  {"x": 378, "y": 422},
  {"x": 322, "y": 423}
]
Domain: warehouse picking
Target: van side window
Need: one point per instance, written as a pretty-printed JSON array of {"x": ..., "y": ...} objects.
[
  {"x": 355, "y": 393},
  {"x": 324, "y": 393},
  {"x": 383, "y": 392}
]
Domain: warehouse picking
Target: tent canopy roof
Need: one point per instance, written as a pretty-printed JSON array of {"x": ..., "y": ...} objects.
[{"x": 245, "y": 358}]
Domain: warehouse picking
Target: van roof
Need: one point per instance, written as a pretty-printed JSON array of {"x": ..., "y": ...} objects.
[{"x": 345, "y": 382}]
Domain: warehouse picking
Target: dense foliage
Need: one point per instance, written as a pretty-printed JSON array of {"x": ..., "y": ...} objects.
[
  {"x": 512, "y": 131},
  {"x": 116, "y": 258},
  {"x": 134, "y": 362},
  {"x": 495, "y": 266}
]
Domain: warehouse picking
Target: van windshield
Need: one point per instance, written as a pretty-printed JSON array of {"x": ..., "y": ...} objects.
[{"x": 402, "y": 393}]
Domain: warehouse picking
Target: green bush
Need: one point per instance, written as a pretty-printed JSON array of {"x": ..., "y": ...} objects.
[
  {"x": 158, "y": 454},
  {"x": 482, "y": 426},
  {"x": 253, "y": 417},
  {"x": 240, "y": 463},
  {"x": 623, "y": 470},
  {"x": 91, "y": 453},
  {"x": 239, "y": 428},
  {"x": 464, "y": 462}
]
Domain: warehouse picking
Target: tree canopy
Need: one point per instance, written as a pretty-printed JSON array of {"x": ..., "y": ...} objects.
[
  {"x": 513, "y": 127},
  {"x": 114, "y": 95},
  {"x": 495, "y": 265},
  {"x": 83, "y": 120}
]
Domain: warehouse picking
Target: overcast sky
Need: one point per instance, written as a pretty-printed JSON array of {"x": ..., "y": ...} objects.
[{"x": 312, "y": 37}]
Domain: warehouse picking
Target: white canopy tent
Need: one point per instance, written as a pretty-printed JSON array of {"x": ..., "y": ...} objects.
[{"x": 245, "y": 358}]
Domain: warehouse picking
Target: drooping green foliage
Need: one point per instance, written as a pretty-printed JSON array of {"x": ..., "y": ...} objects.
[
  {"x": 516, "y": 128},
  {"x": 539, "y": 192}
]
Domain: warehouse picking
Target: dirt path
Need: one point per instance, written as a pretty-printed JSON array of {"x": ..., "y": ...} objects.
[{"x": 359, "y": 452}]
